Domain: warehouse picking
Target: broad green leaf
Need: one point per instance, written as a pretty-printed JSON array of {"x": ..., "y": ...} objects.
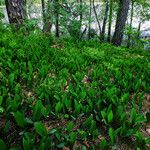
[
  {"x": 73, "y": 137},
  {"x": 147, "y": 140},
  {"x": 103, "y": 144},
  {"x": 140, "y": 119},
  {"x": 20, "y": 119},
  {"x": 67, "y": 103},
  {"x": 133, "y": 115},
  {"x": 30, "y": 67},
  {"x": 1, "y": 100},
  {"x": 11, "y": 79},
  {"x": 70, "y": 126},
  {"x": 1, "y": 109},
  {"x": 40, "y": 128},
  {"x": 26, "y": 144},
  {"x": 61, "y": 145},
  {"x": 112, "y": 136},
  {"x": 52, "y": 131},
  {"x": 37, "y": 110},
  {"x": 110, "y": 116},
  {"x": 58, "y": 107},
  {"x": 2, "y": 145}
]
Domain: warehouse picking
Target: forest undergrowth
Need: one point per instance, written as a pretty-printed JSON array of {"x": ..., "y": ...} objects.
[{"x": 66, "y": 94}]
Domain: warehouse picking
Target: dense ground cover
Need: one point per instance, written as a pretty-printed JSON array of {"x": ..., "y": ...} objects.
[{"x": 71, "y": 95}]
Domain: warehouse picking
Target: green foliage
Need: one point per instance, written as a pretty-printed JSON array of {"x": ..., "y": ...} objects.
[
  {"x": 2, "y": 145},
  {"x": 40, "y": 128},
  {"x": 58, "y": 92}
]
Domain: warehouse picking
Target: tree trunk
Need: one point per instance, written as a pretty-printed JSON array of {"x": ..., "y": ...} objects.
[
  {"x": 16, "y": 11},
  {"x": 57, "y": 17},
  {"x": 81, "y": 15},
  {"x": 47, "y": 16},
  {"x": 99, "y": 25},
  {"x": 105, "y": 21},
  {"x": 43, "y": 14},
  {"x": 89, "y": 34},
  {"x": 110, "y": 20},
  {"x": 139, "y": 30},
  {"x": 131, "y": 20},
  {"x": 120, "y": 23}
]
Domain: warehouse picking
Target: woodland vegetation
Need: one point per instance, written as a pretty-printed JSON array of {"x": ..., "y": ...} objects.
[{"x": 76, "y": 79}]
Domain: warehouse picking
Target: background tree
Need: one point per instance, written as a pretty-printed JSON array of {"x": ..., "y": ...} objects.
[
  {"x": 90, "y": 14},
  {"x": 131, "y": 22},
  {"x": 121, "y": 20},
  {"x": 97, "y": 19},
  {"x": 16, "y": 10},
  {"x": 105, "y": 20},
  {"x": 110, "y": 20},
  {"x": 56, "y": 6}
]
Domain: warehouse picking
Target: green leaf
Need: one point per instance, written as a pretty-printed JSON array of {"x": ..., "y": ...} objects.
[
  {"x": 110, "y": 116},
  {"x": 133, "y": 115},
  {"x": 103, "y": 144},
  {"x": 17, "y": 89},
  {"x": 37, "y": 110},
  {"x": 52, "y": 131},
  {"x": 30, "y": 67},
  {"x": 20, "y": 119},
  {"x": 73, "y": 137},
  {"x": 11, "y": 79},
  {"x": 112, "y": 136},
  {"x": 40, "y": 128},
  {"x": 1, "y": 109},
  {"x": 70, "y": 126},
  {"x": 140, "y": 119},
  {"x": 42, "y": 146},
  {"x": 58, "y": 107},
  {"x": 84, "y": 148},
  {"x": 1, "y": 100},
  {"x": 104, "y": 116},
  {"x": 83, "y": 94},
  {"x": 67, "y": 103},
  {"x": 147, "y": 140},
  {"x": 26, "y": 144},
  {"x": 61, "y": 145},
  {"x": 2, "y": 145}
]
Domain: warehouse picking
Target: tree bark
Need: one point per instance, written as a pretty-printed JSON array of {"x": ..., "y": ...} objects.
[
  {"x": 110, "y": 20},
  {"x": 47, "y": 16},
  {"x": 131, "y": 20},
  {"x": 105, "y": 21},
  {"x": 139, "y": 30},
  {"x": 43, "y": 14},
  {"x": 99, "y": 25},
  {"x": 16, "y": 10},
  {"x": 89, "y": 34},
  {"x": 57, "y": 17},
  {"x": 120, "y": 23},
  {"x": 81, "y": 15}
]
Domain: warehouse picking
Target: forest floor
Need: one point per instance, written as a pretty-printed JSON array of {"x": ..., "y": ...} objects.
[{"x": 62, "y": 94}]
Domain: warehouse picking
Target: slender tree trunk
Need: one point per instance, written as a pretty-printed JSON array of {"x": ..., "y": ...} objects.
[
  {"x": 89, "y": 34},
  {"x": 99, "y": 25},
  {"x": 120, "y": 23},
  {"x": 105, "y": 21},
  {"x": 81, "y": 17},
  {"x": 16, "y": 10},
  {"x": 139, "y": 30},
  {"x": 131, "y": 20},
  {"x": 47, "y": 17},
  {"x": 57, "y": 17},
  {"x": 110, "y": 20},
  {"x": 43, "y": 14}
]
